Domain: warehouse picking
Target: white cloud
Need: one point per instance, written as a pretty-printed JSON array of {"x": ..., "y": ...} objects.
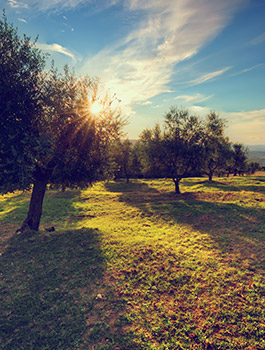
[
  {"x": 246, "y": 127},
  {"x": 22, "y": 20},
  {"x": 249, "y": 133},
  {"x": 57, "y": 48},
  {"x": 146, "y": 103},
  {"x": 209, "y": 76},
  {"x": 254, "y": 115},
  {"x": 193, "y": 98},
  {"x": 142, "y": 65},
  {"x": 17, "y": 4},
  {"x": 199, "y": 110}
]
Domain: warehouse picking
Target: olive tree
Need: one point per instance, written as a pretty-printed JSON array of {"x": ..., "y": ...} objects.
[
  {"x": 21, "y": 66},
  {"x": 216, "y": 148},
  {"x": 175, "y": 151},
  {"x": 239, "y": 159},
  {"x": 48, "y": 132},
  {"x": 122, "y": 157}
]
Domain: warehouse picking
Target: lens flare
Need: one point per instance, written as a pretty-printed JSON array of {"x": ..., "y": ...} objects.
[{"x": 95, "y": 107}]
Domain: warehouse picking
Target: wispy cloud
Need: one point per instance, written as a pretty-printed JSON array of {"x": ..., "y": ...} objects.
[
  {"x": 248, "y": 69},
  {"x": 258, "y": 40},
  {"x": 17, "y": 4},
  {"x": 197, "y": 98},
  {"x": 250, "y": 133},
  {"x": 209, "y": 76},
  {"x": 163, "y": 34},
  {"x": 22, "y": 20},
  {"x": 257, "y": 114},
  {"x": 247, "y": 127},
  {"x": 57, "y": 48},
  {"x": 142, "y": 65},
  {"x": 60, "y": 5}
]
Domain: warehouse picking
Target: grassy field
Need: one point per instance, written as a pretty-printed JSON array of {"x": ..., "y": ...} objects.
[{"x": 135, "y": 266}]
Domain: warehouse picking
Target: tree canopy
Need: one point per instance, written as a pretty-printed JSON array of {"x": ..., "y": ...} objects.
[
  {"x": 21, "y": 65},
  {"x": 216, "y": 147}
]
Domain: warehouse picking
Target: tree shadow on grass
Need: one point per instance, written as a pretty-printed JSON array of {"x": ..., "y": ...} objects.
[
  {"x": 255, "y": 184},
  {"x": 49, "y": 289},
  {"x": 138, "y": 192},
  {"x": 236, "y": 229},
  {"x": 232, "y": 226}
]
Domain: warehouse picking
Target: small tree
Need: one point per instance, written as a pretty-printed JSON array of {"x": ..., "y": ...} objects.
[
  {"x": 122, "y": 154},
  {"x": 182, "y": 145},
  {"x": 150, "y": 152},
  {"x": 252, "y": 167},
  {"x": 176, "y": 151},
  {"x": 48, "y": 133},
  {"x": 216, "y": 147},
  {"x": 239, "y": 159}
]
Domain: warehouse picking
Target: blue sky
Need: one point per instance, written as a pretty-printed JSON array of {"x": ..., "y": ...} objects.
[{"x": 204, "y": 55}]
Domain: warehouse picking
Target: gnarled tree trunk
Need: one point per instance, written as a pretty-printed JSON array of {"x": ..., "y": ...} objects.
[
  {"x": 176, "y": 182},
  {"x": 32, "y": 220}
]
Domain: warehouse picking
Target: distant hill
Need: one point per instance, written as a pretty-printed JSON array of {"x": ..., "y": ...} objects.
[
  {"x": 258, "y": 148},
  {"x": 257, "y": 156},
  {"x": 256, "y": 153}
]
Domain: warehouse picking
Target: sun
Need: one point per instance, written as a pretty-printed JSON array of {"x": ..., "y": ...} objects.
[{"x": 95, "y": 107}]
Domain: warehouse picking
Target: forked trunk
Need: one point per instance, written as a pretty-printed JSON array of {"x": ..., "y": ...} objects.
[{"x": 32, "y": 220}]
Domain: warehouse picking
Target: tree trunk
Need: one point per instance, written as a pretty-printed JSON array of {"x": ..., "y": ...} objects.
[
  {"x": 127, "y": 175},
  {"x": 176, "y": 182},
  {"x": 32, "y": 220},
  {"x": 210, "y": 177}
]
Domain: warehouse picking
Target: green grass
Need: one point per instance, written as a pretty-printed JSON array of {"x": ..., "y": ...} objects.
[{"x": 135, "y": 266}]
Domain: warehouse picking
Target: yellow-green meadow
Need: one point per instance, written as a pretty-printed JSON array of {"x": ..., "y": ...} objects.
[{"x": 135, "y": 266}]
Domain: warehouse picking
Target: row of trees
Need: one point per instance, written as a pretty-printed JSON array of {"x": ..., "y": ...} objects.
[
  {"x": 186, "y": 145},
  {"x": 49, "y": 134}
]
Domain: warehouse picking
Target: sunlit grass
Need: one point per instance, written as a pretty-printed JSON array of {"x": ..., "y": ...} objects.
[{"x": 174, "y": 271}]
